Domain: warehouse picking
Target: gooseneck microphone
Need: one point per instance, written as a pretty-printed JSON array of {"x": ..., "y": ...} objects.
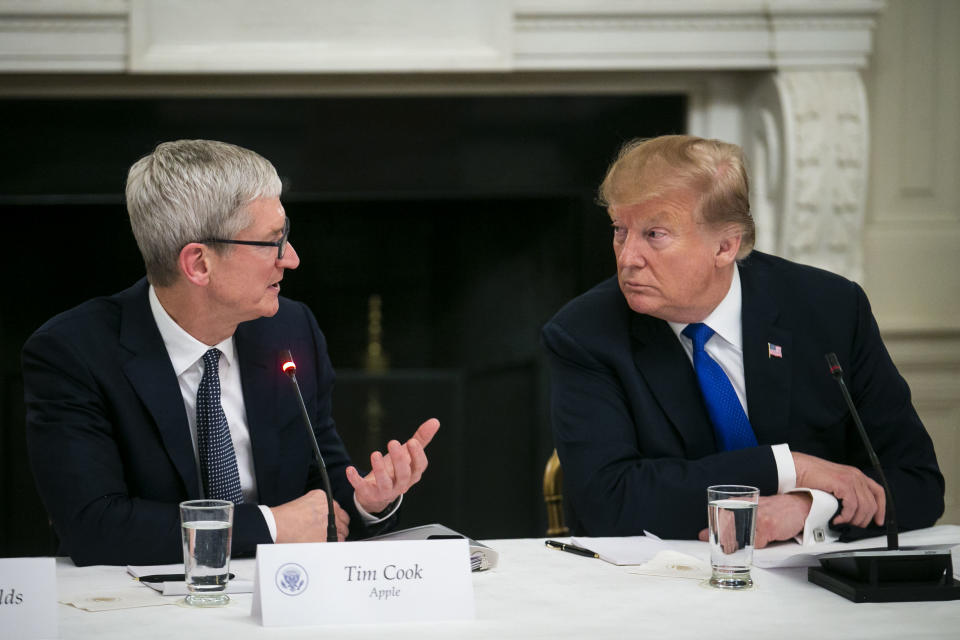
[
  {"x": 290, "y": 368},
  {"x": 893, "y": 574},
  {"x": 891, "y": 516}
]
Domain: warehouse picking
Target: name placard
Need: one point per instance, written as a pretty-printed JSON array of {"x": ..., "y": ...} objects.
[
  {"x": 363, "y": 582},
  {"x": 28, "y": 598}
]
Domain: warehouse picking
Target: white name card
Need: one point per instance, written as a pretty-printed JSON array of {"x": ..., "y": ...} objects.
[
  {"x": 28, "y": 598},
  {"x": 363, "y": 582}
]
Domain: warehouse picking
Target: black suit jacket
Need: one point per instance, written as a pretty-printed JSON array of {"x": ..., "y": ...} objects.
[
  {"x": 109, "y": 440},
  {"x": 633, "y": 435}
]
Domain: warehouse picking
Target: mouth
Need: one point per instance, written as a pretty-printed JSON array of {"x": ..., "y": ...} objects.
[
  {"x": 636, "y": 286},
  {"x": 275, "y": 286}
]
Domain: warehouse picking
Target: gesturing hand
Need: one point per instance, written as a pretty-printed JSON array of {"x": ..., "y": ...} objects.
[
  {"x": 393, "y": 474},
  {"x": 863, "y": 499}
]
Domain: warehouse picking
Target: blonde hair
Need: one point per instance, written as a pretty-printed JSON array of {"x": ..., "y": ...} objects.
[{"x": 646, "y": 168}]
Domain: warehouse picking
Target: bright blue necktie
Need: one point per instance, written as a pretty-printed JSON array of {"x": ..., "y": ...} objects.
[
  {"x": 730, "y": 423},
  {"x": 218, "y": 461}
]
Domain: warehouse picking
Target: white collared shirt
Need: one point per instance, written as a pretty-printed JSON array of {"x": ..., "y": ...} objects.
[
  {"x": 725, "y": 346},
  {"x": 186, "y": 355}
]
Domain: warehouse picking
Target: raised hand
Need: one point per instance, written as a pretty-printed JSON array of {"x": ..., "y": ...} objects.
[{"x": 393, "y": 474}]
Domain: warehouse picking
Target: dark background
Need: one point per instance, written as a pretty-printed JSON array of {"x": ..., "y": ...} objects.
[{"x": 472, "y": 217}]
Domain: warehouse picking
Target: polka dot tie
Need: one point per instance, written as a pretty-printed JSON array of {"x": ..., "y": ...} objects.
[
  {"x": 730, "y": 423},
  {"x": 218, "y": 462}
]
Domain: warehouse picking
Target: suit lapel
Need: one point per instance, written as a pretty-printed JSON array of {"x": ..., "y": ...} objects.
[
  {"x": 662, "y": 362},
  {"x": 259, "y": 375},
  {"x": 768, "y": 377},
  {"x": 152, "y": 377}
]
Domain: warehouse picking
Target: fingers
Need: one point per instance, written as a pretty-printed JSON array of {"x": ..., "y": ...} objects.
[
  {"x": 418, "y": 460},
  {"x": 391, "y": 475},
  {"x": 426, "y": 431},
  {"x": 881, "y": 498},
  {"x": 354, "y": 478},
  {"x": 343, "y": 521},
  {"x": 704, "y": 535},
  {"x": 399, "y": 464},
  {"x": 305, "y": 519},
  {"x": 378, "y": 468},
  {"x": 863, "y": 499},
  {"x": 866, "y": 506}
]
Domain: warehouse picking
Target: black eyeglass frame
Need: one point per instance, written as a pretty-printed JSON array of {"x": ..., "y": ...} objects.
[{"x": 280, "y": 244}]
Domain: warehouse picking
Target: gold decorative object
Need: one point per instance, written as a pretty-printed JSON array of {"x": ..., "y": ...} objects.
[{"x": 375, "y": 361}]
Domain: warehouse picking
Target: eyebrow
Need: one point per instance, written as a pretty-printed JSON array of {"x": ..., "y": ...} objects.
[
  {"x": 663, "y": 217},
  {"x": 279, "y": 231}
]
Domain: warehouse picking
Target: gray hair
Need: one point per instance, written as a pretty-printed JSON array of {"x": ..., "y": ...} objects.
[{"x": 189, "y": 190}]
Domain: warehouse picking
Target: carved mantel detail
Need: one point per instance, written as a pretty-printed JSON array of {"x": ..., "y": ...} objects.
[
  {"x": 807, "y": 137},
  {"x": 804, "y": 125}
]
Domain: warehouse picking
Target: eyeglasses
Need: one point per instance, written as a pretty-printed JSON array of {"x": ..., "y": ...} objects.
[{"x": 280, "y": 244}]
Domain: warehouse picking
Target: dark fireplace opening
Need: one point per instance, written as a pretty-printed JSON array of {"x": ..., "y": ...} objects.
[{"x": 456, "y": 226}]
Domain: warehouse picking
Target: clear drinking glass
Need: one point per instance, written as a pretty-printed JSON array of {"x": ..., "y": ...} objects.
[
  {"x": 207, "y": 527},
  {"x": 732, "y": 516}
]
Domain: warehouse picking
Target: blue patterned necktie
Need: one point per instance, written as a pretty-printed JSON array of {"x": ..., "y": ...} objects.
[
  {"x": 730, "y": 423},
  {"x": 218, "y": 462}
]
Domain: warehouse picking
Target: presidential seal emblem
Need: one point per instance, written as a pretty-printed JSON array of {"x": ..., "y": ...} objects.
[{"x": 292, "y": 579}]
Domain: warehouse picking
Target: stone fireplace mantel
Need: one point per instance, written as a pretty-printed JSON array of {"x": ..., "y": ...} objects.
[{"x": 780, "y": 77}]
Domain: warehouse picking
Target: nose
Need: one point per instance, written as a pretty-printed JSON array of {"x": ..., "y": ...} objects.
[
  {"x": 630, "y": 254},
  {"x": 290, "y": 259}
]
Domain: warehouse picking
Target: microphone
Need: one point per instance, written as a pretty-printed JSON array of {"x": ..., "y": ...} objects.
[
  {"x": 290, "y": 368},
  {"x": 891, "y": 574},
  {"x": 891, "y": 516}
]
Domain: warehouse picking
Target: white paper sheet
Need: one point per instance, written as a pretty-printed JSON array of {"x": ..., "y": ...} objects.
[
  {"x": 630, "y": 550},
  {"x": 791, "y": 554},
  {"x": 179, "y": 588},
  {"x": 673, "y": 564}
]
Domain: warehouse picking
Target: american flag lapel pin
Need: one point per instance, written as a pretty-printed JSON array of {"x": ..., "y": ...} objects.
[{"x": 774, "y": 350}]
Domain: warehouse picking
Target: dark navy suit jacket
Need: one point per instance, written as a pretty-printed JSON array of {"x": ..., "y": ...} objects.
[
  {"x": 633, "y": 435},
  {"x": 109, "y": 440}
]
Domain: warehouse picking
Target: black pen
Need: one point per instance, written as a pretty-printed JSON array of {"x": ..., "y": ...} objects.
[
  {"x": 168, "y": 577},
  {"x": 569, "y": 548}
]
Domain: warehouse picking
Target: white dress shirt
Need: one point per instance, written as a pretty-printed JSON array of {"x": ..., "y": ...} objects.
[
  {"x": 725, "y": 346},
  {"x": 186, "y": 355}
]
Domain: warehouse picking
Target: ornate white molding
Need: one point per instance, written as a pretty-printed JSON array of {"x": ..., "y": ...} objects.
[
  {"x": 383, "y": 36},
  {"x": 693, "y": 34},
  {"x": 808, "y": 140},
  {"x": 804, "y": 127},
  {"x": 61, "y": 36},
  {"x": 306, "y": 36}
]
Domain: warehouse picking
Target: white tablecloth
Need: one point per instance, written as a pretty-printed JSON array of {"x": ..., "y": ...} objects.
[{"x": 536, "y": 592}]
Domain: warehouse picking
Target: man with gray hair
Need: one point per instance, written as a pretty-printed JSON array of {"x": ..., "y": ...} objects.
[
  {"x": 702, "y": 363},
  {"x": 172, "y": 389}
]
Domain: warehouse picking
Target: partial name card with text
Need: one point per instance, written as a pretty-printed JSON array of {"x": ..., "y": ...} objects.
[
  {"x": 363, "y": 582},
  {"x": 28, "y": 598}
]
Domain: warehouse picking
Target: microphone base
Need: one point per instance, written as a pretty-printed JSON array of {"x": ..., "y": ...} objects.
[{"x": 882, "y": 575}]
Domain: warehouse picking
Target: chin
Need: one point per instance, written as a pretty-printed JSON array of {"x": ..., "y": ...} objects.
[
  {"x": 641, "y": 303},
  {"x": 269, "y": 308}
]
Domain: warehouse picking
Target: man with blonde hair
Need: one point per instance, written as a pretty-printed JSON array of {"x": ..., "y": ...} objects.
[
  {"x": 702, "y": 363},
  {"x": 173, "y": 390}
]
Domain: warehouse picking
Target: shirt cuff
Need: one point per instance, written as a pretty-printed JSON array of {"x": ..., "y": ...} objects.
[
  {"x": 271, "y": 521},
  {"x": 786, "y": 470},
  {"x": 816, "y": 528},
  {"x": 386, "y": 513}
]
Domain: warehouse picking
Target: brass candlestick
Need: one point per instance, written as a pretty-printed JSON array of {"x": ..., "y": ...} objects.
[{"x": 375, "y": 361}]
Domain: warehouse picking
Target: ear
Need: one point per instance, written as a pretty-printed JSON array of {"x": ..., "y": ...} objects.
[
  {"x": 728, "y": 247},
  {"x": 194, "y": 263}
]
